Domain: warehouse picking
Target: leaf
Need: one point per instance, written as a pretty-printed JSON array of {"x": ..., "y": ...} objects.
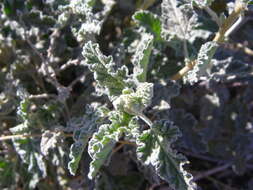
[
  {"x": 201, "y": 3},
  {"x": 164, "y": 91},
  {"x": 105, "y": 73},
  {"x": 178, "y": 19},
  {"x": 203, "y": 63},
  {"x": 93, "y": 22},
  {"x": 84, "y": 127},
  {"x": 154, "y": 147},
  {"x": 49, "y": 141},
  {"x": 150, "y": 22},
  {"x": 102, "y": 142},
  {"x": 141, "y": 57},
  {"x": 76, "y": 151},
  {"x": 23, "y": 109},
  {"x": 7, "y": 173},
  {"x": 191, "y": 138},
  {"x": 231, "y": 70},
  {"x": 135, "y": 102},
  {"x": 180, "y": 24},
  {"x": 28, "y": 151}
]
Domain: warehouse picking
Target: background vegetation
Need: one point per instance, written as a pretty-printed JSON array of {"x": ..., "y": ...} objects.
[{"x": 50, "y": 104}]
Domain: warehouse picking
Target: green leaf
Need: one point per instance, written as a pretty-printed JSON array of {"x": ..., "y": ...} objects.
[
  {"x": 135, "y": 102},
  {"x": 150, "y": 22},
  {"x": 191, "y": 138},
  {"x": 201, "y": 69},
  {"x": 84, "y": 128},
  {"x": 28, "y": 151},
  {"x": 141, "y": 57},
  {"x": 103, "y": 67},
  {"x": 7, "y": 173},
  {"x": 102, "y": 142},
  {"x": 90, "y": 22},
  {"x": 180, "y": 24},
  {"x": 175, "y": 21},
  {"x": 201, "y": 3},
  {"x": 50, "y": 140},
  {"x": 77, "y": 148},
  {"x": 23, "y": 109},
  {"x": 154, "y": 147}
]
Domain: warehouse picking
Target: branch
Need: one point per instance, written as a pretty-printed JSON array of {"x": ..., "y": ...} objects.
[
  {"x": 212, "y": 171},
  {"x": 147, "y": 3},
  {"x": 245, "y": 49},
  {"x": 10, "y": 137},
  {"x": 219, "y": 37}
]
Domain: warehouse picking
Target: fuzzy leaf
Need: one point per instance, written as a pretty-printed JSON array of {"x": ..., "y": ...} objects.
[
  {"x": 135, "y": 102},
  {"x": 191, "y": 138},
  {"x": 84, "y": 128},
  {"x": 180, "y": 24},
  {"x": 178, "y": 19},
  {"x": 150, "y": 22},
  {"x": 154, "y": 147},
  {"x": 49, "y": 140},
  {"x": 26, "y": 148},
  {"x": 201, "y": 3},
  {"x": 105, "y": 73},
  {"x": 103, "y": 141},
  {"x": 140, "y": 59},
  {"x": 203, "y": 65}
]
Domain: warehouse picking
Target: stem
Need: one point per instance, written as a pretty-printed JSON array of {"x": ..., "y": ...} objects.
[
  {"x": 219, "y": 37},
  {"x": 116, "y": 149},
  {"x": 42, "y": 96},
  {"x": 212, "y": 171},
  {"x": 229, "y": 22},
  {"x": 10, "y": 137},
  {"x": 213, "y": 15},
  {"x": 127, "y": 142},
  {"x": 235, "y": 26},
  {"x": 245, "y": 49},
  {"x": 146, "y": 120},
  {"x": 189, "y": 66},
  {"x": 147, "y": 3}
]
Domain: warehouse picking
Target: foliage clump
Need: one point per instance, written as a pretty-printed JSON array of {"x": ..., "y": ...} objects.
[{"x": 104, "y": 94}]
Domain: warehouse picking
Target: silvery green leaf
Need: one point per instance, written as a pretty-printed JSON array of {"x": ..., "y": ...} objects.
[
  {"x": 149, "y": 21},
  {"x": 49, "y": 140},
  {"x": 201, "y": 3},
  {"x": 180, "y": 23},
  {"x": 23, "y": 109},
  {"x": 76, "y": 151},
  {"x": 82, "y": 7},
  {"x": 135, "y": 102},
  {"x": 109, "y": 78},
  {"x": 203, "y": 63},
  {"x": 154, "y": 147},
  {"x": 102, "y": 142},
  {"x": 84, "y": 127},
  {"x": 141, "y": 57},
  {"x": 89, "y": 21},
  {"x": 28, "y": 151},
  {"x": 176, "y": 18}
]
